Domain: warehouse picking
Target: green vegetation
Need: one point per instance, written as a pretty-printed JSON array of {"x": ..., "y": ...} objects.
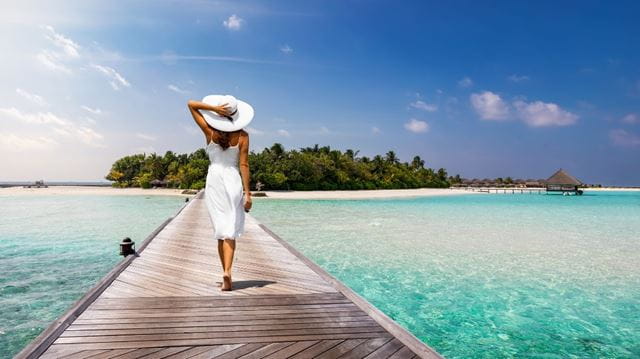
[{"x": 310, "y": 168}]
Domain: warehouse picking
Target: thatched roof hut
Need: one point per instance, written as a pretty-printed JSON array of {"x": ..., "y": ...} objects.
[
  {"x": 158, "y": 183},
  {"x": 561, "y": 181}
]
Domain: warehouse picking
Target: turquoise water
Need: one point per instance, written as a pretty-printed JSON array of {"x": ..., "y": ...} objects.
[
  {"x": 54, "y": 248},
  {"x": 485, "y": 276}
]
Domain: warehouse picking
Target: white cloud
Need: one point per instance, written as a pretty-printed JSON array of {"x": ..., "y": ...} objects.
[
  {"x": 489, "y": 106},
  {"x": 115, "y": 79},
  {"x": 518, "y": 78},
  {"x": 39, "y": 118},
  {"x": 234, "y": 22},
  {"x": 51, "y": 61},
  {"x": 416, "y": 126},
  {"x": 284, "y": 133},
  {"x": 421, "y": 105},
  {"x": 324, "y": 130},
  {"x": 146, "y": 137},
  {"x": 375, "y": 130},
  {"x": 286, "y": 49},
  {"x": 67, "y": 45},
  {"x": 59, "y": 125},
  {"x": 620, "y": 137},
  {"x": 465, "y": 82},
  {"x": 38, "y": 100},
  {"x": 631, "y": 118},
  {"x": 541, "y": 114},
  {"x": 89, "y": 136},
  {"x": 95, "y": 111},
  {"x": 66, "y": 50},
  {"x": 254, "y": 131},
  {"x": 175, "y": 88},
  {"x": 16, "y": 143}
]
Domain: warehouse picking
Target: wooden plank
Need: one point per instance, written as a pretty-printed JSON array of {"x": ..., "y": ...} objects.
[
  {"x": 211, "y": 318},
  {"x": 386, "y": 350},
  {"x": 291, "y": 350},
  {"x": 192, "y": 351},
  {"x": 403, "y": 353},
  {"x": 366, "y": 348},
  {"x": 266, "y": 350},
  {"x": 216, "y": 341},
  {"x": 216, "y": 351},
  {"x": 256, "y": 323},
  {"x": 320, "y": 347},
  {"x": 219, "y": 327},
  {"x": 340, "y": 349},
  {"x": 237, "y": 353},
  {"x": 235, "y": 335}
]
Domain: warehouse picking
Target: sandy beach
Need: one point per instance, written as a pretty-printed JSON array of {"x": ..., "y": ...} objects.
[
  {"x": 607, "y": 189},
  {"x": 90, "y": 190},
  {"x": 362, "y": 194}
]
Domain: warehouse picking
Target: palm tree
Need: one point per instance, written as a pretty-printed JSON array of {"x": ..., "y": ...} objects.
[
  {"x": 351, "y": 153},
  {"x": 277, "y": 149},
  {"x": 417, "y": 163},
  {"x": 391, "y": 157},
  {"x": 378, "y": 164}
]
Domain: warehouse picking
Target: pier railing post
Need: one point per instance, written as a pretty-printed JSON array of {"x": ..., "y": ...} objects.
[{"x": 127, "y": 246}]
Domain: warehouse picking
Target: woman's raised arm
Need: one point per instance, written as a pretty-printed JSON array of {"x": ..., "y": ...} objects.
[{"x": 196, "y": 106}]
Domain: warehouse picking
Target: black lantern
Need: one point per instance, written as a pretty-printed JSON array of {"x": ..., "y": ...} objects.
[{"x": 127, "y": 246}]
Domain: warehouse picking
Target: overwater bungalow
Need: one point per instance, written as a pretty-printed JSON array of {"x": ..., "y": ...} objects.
[{"x": 561, "y": 181}]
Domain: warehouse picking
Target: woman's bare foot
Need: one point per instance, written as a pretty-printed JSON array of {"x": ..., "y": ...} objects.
[{"x": 226, "y": 282}]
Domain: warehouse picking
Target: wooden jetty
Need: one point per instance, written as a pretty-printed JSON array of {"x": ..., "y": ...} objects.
[
  {"x": 504, "y": 190},
  {"x": 166, "y": 302}
]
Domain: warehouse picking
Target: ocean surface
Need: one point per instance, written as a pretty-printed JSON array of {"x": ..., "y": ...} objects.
[
  {"x": 485, "y": 276},
  {"x": 55, "y": 248}
]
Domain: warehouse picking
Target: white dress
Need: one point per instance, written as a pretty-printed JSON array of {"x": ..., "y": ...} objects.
[{"x": 223, "y": 191}]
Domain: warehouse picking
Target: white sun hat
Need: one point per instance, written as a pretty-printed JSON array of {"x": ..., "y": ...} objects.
[{"x": 241, "y": 113}]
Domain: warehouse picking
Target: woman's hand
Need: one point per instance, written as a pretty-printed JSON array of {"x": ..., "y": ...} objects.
[
  {"x": 247, "y": 202},
  {"x": 222, "y": 110}
]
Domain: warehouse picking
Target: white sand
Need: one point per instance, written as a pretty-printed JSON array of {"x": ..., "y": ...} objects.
[
  {"x": 362, "y": 194},
  {"x": 90, "y": 190},
  {"x": 605, "y": 189},
  {"x": 380, "y": 193}
]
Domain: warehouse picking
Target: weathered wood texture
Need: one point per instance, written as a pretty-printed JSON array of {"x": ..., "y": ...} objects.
[{"x": 167, "y": 304}]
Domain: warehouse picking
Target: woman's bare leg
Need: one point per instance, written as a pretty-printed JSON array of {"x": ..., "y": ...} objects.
[
  {"x": 229, "y": 248},
  {"x": 221, "y": 252}
]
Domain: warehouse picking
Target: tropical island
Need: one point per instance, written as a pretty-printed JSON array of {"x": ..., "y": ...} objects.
[{"x": 275, "y": 168}]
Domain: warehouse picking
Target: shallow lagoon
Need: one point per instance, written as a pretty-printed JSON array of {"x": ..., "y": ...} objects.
[{"x": 485, "y": 276}]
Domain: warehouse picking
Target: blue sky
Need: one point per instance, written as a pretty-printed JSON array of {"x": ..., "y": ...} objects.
[{"x": 484, "y": 89}]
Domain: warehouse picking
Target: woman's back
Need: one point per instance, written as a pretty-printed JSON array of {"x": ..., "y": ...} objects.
[{"x": 222, "y": 157}]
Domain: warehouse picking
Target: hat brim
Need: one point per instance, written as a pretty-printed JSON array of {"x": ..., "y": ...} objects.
[{"x": 243, "y": 116}]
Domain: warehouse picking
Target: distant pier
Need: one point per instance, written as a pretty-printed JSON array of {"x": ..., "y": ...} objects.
[
  {"x": 164, "y": 302},
  {"x": 505, "y": 190}
]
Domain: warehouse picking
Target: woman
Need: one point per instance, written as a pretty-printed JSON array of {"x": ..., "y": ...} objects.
[{"x": 222, "y": 119}]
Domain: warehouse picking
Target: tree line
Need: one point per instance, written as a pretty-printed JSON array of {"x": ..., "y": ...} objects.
[{"x": 274, "y": 168}]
